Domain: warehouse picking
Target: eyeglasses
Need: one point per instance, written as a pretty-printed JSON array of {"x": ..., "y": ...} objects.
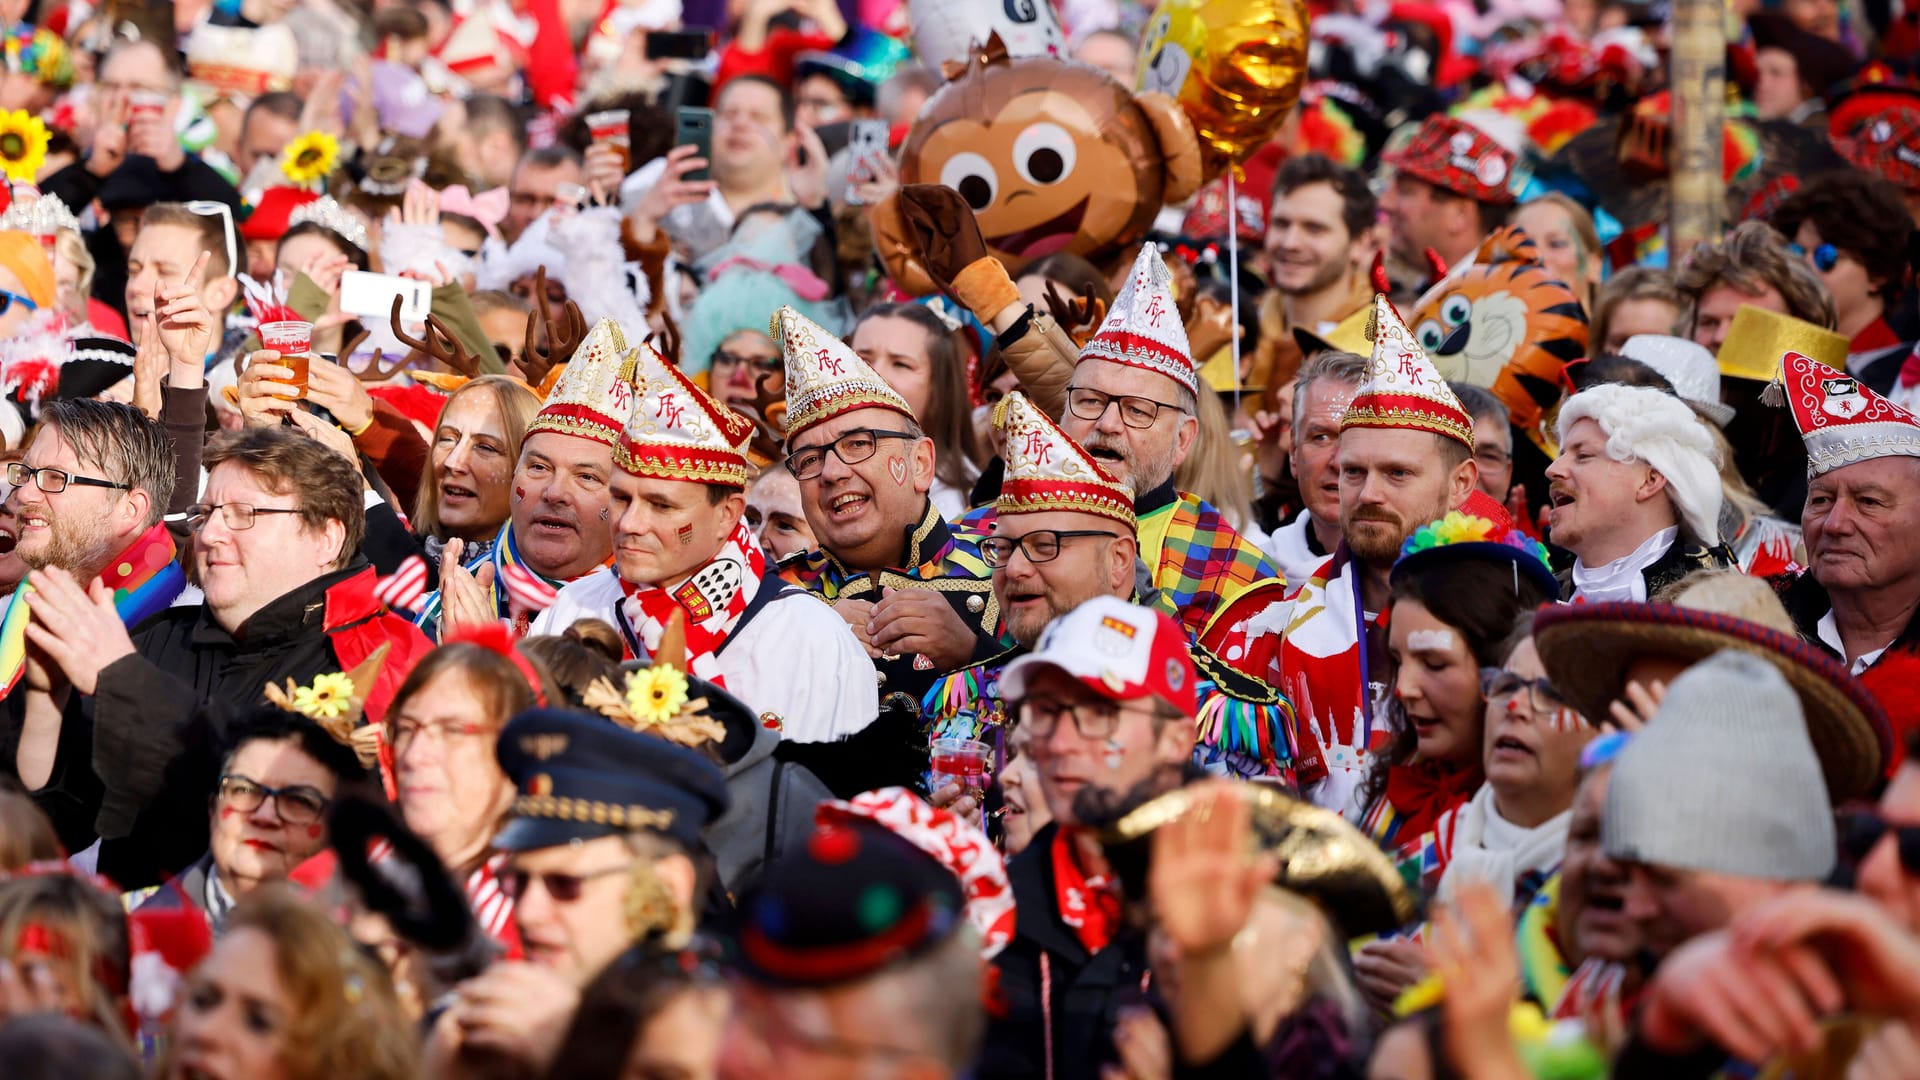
[
  {"x": 237, "y": 516},
  {"x": 54, "y": 481},
  {"x": 8, "y": 299},
  {"x": 1135, "y": 412},
  {"x": 1041, "y": 545},
  {"x": 1825, "y": 257},
  {"x": 406, "y": 729},
  {"x": 769, "y": 364},
  {"x": 563, "y": 888},
  {"x": 1860, "y": 831},
  {"x": 296, "y": 805},
  {"x": 1541, "y": 696},
  {"x": 852, "y": 448},
  {"x": 215, "y": 208},
  {"x": 1040, "y": 716}
]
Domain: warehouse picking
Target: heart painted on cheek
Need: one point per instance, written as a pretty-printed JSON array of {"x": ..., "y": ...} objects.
[{"x": 898, "y": 467}]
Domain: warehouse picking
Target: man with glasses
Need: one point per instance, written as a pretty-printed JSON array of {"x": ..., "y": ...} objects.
[
  {"x": 288, "y": 595},
  {"x": 536, "y": 186},
  {"x": 604, "y": 850},
  {"x": 1106, "y": 706},
  {"x": 681, "y": 547},
  {"x": 1064, "y": 535},
  {"x": 278, "y": 777},
  {"x": 135, "y": 159},
  {"x": 1131, "y": 399},
  {"x": 913, "y": 588}
]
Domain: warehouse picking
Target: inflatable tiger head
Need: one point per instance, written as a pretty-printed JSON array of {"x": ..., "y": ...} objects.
[{"x": 1504, "y": 323}]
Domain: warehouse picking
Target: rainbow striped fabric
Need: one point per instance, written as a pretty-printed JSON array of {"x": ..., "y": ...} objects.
[{"x": 145, "y": 579}]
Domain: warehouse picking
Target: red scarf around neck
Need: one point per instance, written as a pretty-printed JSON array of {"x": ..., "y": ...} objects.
[
  {"x": 1422, "y": 791},
  {"x": 713, "y": 598},
  {"x": 1090, "y": 906}
]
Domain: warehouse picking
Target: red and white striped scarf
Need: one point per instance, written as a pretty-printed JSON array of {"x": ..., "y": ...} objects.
[{"x": 713, "y": 598}]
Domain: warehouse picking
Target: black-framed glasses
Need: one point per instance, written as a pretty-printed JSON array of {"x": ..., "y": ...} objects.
[
  {"x": 1040, "y": 545},
  {"x": 563, "y": 888},
  {"x": 1860, "y": 831},
  {"x": 237, "y": 516},
  {"x": 297, "y": 804},
  {"x": 1135, "y": 412},
  {"x": 54, "y": 481},
  {"x": 1541, "y": 696},
  {"x": 1040, "y": 716},
  {"x": 1824, "y": 258},
  {"x": 771, "y": 365},
  {"x": 852, "y": 448}
]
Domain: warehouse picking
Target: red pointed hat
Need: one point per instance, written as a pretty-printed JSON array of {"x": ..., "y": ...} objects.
[
  {"x": 1046, "y": 470},
  {"x": 269, "y": 220},
  {"x": 1842, "y": 422},
  {"x": 1403, "y": 388},
  {"x": 679, "y": 432}
]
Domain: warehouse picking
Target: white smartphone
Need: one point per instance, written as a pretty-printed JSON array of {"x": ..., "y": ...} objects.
[{"x": 371, "y": 296}]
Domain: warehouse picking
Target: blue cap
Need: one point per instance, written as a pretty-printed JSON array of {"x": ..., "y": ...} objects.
[{"x": 581, "y": 777}]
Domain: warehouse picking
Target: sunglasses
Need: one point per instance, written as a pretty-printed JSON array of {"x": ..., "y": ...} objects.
[
  {"x": 1860, "y": 832},
  {"x": 1825, "y": 257},
  {"x": 563, "y": 888},
  {"x": 8, "y": 299},
  {"x": 215, "y": 208}
]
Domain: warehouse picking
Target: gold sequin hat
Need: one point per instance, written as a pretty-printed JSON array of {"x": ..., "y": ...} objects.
[
  {"x": 1758, "y": 338},
  {"x": 825, "y": 377},
  {"x": 596, "y": 391},
  {"x": 679, "y": 432},
  {"x": 1403, "y": 389},
  {"x": 1048, "y": 471}
]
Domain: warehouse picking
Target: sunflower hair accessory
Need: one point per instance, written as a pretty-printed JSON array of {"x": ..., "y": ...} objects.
[
  {"x": 23, "y": 145},
  {"x": 337, "y": 701},
  {"x": 656, "y": 699},
  {"x": 308, "y": 160}
]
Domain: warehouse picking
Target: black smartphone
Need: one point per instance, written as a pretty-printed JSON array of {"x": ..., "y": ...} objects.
[
  {"x": 694, "y": 127},
  {"x": 679, "y": 44}
]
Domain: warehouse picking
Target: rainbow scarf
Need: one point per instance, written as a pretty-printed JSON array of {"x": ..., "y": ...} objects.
[{"x": 144, "y": 578}]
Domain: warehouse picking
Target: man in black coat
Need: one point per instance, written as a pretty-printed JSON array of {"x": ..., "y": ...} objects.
[
  {"x": 288, "y": 596},
  {"x": 1106, "y": 704}
]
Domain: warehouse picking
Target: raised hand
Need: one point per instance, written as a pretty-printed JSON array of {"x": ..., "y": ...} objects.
[
  {"x": 1204, "y": 876},
  {"x": 808, "y": 177},
  {"x": 109, "y": 147},
  {"x": 186, "y": 326},
  {"x": 150, "y": 366},
  {"x": 1471, "y": 946},
  {"x": 672, "y": 190},
  {"x": 77, "y": 627}
]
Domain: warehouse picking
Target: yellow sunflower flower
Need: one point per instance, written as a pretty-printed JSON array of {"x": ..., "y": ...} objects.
[
  {"x": 656, "y": 695},
  {"x": 310, "y": 158},
  {"x": 329, "y": 698},
  {"x": 23, "y": 145}
]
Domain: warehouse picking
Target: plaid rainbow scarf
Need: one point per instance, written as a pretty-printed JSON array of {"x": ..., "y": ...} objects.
[
  {"x": 1200, "y": 564},
  {"x": 935, "y": 550},
  {"x": 144, "y": 578}
]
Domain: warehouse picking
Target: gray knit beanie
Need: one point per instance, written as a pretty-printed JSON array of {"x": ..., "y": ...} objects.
[{"x": 1723, "y": 779}]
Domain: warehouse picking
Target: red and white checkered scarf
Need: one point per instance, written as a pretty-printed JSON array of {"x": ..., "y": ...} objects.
[{"x": 713, "y": 599}]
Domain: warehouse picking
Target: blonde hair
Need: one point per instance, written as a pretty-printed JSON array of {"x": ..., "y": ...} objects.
[
  {"x": 86, "y": 932},
  {"x": 68, "y": 245},
  {"x": 26, "y": 836},
  {"x": 343, "y": 1018},
  {"x": 1215, "y": 470},
  {"x": 517, "y": 406}
]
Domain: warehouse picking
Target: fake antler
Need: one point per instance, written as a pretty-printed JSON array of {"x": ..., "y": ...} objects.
[
  {"x": 1076, "y": 314},
  {"x": 563, "y": 337},
  {"x": 376, "y": 371},
  {"x": 768, "y": 413},
  {"x": 667, "y": 341},
  {"x": 437, "y": 342}
]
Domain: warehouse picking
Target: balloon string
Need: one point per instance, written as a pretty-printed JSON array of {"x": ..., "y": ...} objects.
[{"x": 1233, "y": 283}]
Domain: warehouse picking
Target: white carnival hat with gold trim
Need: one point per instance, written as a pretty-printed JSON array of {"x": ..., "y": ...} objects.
[
  {"x": 825, "y": 377},
  {"x": 679, "y": 432},
  {"x": 595, "y": 394}
]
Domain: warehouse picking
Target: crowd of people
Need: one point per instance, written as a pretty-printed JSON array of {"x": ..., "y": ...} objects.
[{"x": 671, "y": 538}]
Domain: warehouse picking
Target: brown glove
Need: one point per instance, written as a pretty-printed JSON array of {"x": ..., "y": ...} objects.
[
  {"x": 893, "y": 243},
  {"x": 942, "y": 229}
]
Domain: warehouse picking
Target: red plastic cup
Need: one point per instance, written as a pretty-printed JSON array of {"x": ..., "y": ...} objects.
[
  {"x": 609, "y": 128},
  {"x": 965, "y": 760},
  {"x": 293, "y": 340}
]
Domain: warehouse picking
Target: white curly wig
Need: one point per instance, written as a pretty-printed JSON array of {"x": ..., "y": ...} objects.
[{"x": 1649, "y": 425}]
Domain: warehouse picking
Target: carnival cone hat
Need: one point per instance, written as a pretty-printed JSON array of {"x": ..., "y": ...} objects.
[
  {"x": 1403, "y": 389},
  {"x": 1841, "y": 420},
  {"x": 1143, "y": 327},
  {"x": 595, "y": 393},
  {"x": 1048, "y": 471},
  {"x": 679, "y": 432},
  {"x": 825, "y": 377}
]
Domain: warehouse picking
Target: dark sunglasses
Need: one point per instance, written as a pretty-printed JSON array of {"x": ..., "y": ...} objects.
[
  {"x": 563, "y": 888},
  {"x": 1825, "y": 257},
  {"x": 1861, "y": 831}
]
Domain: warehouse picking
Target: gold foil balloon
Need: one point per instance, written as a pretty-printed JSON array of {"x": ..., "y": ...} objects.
[{"x": 1235, "y": 66}]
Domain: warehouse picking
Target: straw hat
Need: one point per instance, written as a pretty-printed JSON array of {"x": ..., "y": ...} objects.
[{"x": 1587, "y": 648}]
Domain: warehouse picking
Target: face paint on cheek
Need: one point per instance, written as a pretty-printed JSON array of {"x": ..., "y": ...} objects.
[
  {"x": 315, "y": 831},
  {"x": 1430, "y": 640},
  {"x": 898, "y": 467},
  {"x": 685, "y": 532},
  {"x": 603, "y": 513},
  {"x": 519, "y": 493},
  {"x": 1111, "y": 754},
  {"x": 227, "y": 812}
]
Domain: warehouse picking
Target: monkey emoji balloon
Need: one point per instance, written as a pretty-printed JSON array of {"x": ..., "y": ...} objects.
[{"x": 1052, "y": 156}]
